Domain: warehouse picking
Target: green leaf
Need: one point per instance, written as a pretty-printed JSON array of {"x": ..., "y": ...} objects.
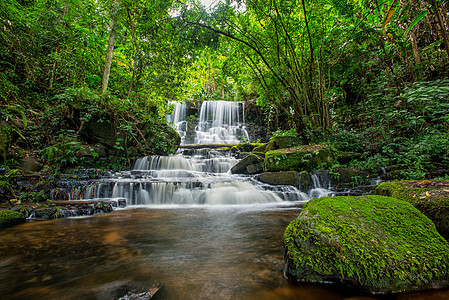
[
  {"x": 416, "y": 21},
  {"x": 24, "y": 119},
  {"x": 388, "y": 16}
]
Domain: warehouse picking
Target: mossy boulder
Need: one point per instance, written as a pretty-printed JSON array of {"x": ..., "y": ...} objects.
[
  {"x": 9, "y": 218},
  {"x": 243, "y": 165},
  {"x": 378, "y": 244},
  {"x": 282, "y": 178},
  {"x": 262, "y": 148},
  {"x": 344, "y": 178},
  {"x": 282, "y": 142},
  {"x": 302, "y": 158},
  {"x": 149, "y": 137},
  {"x": 431, "y": 197},
  {"x": 159, "y": 138},
  {"x": 245, "y": 147}
]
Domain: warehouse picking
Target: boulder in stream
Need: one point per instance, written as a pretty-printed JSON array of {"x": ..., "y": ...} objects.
[
  {"x": 9, "y": 218},
  {"x": 244, "y": 166},
  {"x": 283, "y": 178},
  {"x": 375, "y": 243}
]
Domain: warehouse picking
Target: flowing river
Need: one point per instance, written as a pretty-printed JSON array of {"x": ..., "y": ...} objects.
[
  {"x": 224, "y": 252},
  {"x": 190, "y": 226}
]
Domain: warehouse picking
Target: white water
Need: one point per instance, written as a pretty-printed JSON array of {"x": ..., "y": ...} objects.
[
  {"x": 221, "y": 122},
  {"x": 179, "y": 119},
  {"x": 200, "y": 178}
]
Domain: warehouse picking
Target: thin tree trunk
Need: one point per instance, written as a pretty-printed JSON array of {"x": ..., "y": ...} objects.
[
  {"x": 110, "y": 51},
  {"x": 415, "y": 48},
  {"x": 135, "y": 51},
  {"x": 309, "y": 35},
  {"x": 442, "y": 26}
]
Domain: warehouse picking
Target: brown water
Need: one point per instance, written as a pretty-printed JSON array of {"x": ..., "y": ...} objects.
[{"x": 197, "y": 253}]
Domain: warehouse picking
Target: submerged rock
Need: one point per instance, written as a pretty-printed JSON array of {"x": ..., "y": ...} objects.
[
  {"x": 431, "y": 197},
  {"x": 378, "y": 244},
  {"x": 130, "y": 290}
]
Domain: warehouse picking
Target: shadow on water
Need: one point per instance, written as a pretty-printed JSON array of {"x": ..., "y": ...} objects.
[{"x": 197, "y": 253}]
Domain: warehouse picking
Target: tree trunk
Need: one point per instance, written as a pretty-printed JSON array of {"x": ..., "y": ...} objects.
[
  {"x": 442, "y": 26},
  {"x": 110, "y": 51},
  {"x": 415, "y": 48}
]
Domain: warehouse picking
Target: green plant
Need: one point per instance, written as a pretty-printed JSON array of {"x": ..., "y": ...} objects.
[
  {"x": 57, "y": 214},
  {"x": 280, "y": 132}
]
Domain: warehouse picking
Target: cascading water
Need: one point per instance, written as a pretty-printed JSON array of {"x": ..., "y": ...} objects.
[
  {"x": 179, "y": 119},
  {"x": 221, "y": 122},
  {"x": 194, "y": 177},
  {"x": 199, "y": 177}
]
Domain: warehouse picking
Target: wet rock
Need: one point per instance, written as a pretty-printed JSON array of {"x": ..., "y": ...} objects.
[
  {"x": 431, "y": 197},
  {"x": 30, "y": 165},
  {"x": 69, "y": 208},
  {"x": 345, "y": 178},
  {"x": 9, "y": 218},
  {"x": 305, "y": 181},
  {"x": 255, "y": 168},
  {"x": 282, "y": 178},
  {"x": 241, "y": 166},
  {"x": 378, "y": 244},
  {"x": 302, "y": 158},
  {"x": 130, "y": 290}
]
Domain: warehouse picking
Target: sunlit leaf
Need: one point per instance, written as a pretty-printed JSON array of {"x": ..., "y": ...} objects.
[
  {"x": 416, "y": 21},
  {"x": 388, "y": 16}
]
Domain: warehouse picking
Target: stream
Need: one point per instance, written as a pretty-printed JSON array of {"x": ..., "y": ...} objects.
[{"x": 189, "y": 225}]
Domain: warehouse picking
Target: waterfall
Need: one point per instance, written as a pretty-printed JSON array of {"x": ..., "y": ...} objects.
[
  {"x": 221, "y": 122},
  {"x": 179, "y": 119},
  {"x": 199, "y": 176},
  {"x": 193, "y": 177}
]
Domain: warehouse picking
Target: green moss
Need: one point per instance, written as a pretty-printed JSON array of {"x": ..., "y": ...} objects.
[
  {"x": 260, "y": 148},
  {"x": 431, "y": 199},
  {"x": 9, "y": 218},
  {"x": 378, "y": 243},
  {"x": 302, "y": 158}
]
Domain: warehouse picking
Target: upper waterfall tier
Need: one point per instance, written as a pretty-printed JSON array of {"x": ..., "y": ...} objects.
[
  {"x": 221, "y": 122},
  {"x": 218, "y": 122}
]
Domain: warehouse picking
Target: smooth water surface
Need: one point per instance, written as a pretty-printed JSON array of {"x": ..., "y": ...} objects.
[{"x": 224, "y": 252}]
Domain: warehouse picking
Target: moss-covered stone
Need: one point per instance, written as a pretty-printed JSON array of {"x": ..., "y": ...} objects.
[
  {"x": 9, "y": 218},
  {"x": 305, "y": 181},
  {"x": 379, "y": 244},
  {"x": 344, "y": 178},
  {"x": 245, "y": 147},
  {"x": 282, "y": 142},
  {"x": 160, "y": 138},
  {"x": 283, "y": 178},
  {"x": 302, "y": 158},
  {"x": 429, "y": 197},
  {"x": 262, "y": 148}
]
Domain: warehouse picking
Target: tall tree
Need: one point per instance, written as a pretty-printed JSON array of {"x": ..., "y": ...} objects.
[{"x": 111, "y": 43}]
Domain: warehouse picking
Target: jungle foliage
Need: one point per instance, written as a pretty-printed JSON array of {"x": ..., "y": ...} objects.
[{"x": 368, "y": 76}]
